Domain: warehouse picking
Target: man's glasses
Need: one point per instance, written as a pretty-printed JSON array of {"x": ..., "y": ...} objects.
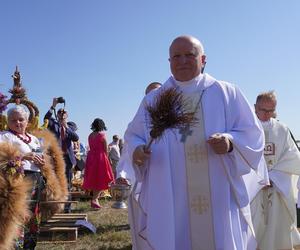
[{"x": 267, "y": 111}]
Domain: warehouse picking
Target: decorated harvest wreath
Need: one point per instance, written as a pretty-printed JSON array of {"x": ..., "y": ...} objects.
[{"x": 14, "y": 187}]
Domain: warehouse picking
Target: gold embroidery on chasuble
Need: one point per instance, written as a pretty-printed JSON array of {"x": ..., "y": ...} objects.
[
  {"x": 195, "y": 152},
  {"x": 198, "y": 181},
  {"x": 200, "y": 204},
  {"x": 269, "y": 150}
]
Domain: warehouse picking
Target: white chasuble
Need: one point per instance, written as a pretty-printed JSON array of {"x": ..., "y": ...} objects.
[
  {"x": 274, "y": 208},
  {"x": 198, "y": 181},
  {"x": 217, "y": 214}
]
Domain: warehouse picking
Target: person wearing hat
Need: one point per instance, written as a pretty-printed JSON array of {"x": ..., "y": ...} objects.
[{"x": 66, "y": 135}]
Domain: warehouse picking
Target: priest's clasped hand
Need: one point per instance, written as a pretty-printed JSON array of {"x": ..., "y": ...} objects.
[
  {"x": 140, "y": 155},
  {"x": 220, "y": 143}
]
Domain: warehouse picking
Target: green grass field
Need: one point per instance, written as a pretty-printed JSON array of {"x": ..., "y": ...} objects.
[{"x": 113, "y": 230}]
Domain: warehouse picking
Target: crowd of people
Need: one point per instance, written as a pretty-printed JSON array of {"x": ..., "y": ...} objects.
[{"x": 224, "y": 180}]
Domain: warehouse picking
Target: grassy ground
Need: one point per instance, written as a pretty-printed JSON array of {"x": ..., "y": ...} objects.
[{"x": 112, "y": 230}]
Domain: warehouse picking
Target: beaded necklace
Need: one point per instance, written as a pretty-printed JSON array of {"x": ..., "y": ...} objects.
[{"x": 27, "y": 141}]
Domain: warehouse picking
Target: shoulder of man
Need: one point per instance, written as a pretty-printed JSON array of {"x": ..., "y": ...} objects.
[
  {"x": 225, "y": 85},
  {"x": 279, "y": 125}
]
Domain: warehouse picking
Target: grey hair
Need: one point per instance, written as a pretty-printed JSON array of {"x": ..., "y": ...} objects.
[
  {"x": 267, "y": 96},
  {"x": 18, "y": 109}
]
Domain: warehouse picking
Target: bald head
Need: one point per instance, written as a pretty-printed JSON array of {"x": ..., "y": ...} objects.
[
  {"x": 186, "y": 58},
  {"x": 152, "y": 86},
  {"x": 193, "y": 40}
]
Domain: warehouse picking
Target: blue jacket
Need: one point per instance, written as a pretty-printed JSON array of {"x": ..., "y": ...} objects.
[{"x": 70, "y": 135}]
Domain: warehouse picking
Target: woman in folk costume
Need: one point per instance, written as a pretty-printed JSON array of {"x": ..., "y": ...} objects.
[
  {"x": 21, "y": 156},
  {"x": 274, "y": 209},
  {"x": 38, "y": 167},
  {"x": 32, "y": 162}
]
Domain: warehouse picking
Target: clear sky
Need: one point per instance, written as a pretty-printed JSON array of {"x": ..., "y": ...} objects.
[{"x": 100, "y": 55}]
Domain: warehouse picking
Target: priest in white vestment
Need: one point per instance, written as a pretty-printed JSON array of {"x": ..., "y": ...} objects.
[
  {"x": 197, "y": 182},
  {"x": 274, "y": 207}
]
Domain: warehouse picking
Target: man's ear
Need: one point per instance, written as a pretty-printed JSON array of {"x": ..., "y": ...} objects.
[
  {"x": 255, "y": 108},
  {"x": 203, "y": 59}
]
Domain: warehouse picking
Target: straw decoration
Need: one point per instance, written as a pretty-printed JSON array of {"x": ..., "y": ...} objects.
[{"x": 169, "y": 111}]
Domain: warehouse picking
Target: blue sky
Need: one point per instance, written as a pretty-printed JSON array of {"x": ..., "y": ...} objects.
[{"x": 100, "y": 55}]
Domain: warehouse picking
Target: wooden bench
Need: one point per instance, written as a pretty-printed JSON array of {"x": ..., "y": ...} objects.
[
  {"x": 58, "y": 202},
  {"x": 61, "y": 227},
  {"x": 69, "y": 217},
  {"x": 66, "y": 234}
]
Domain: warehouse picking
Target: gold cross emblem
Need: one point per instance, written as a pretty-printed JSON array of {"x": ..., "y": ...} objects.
[
  {"x": 195, "y": 153},
  {"x": 200, "y": 204}
]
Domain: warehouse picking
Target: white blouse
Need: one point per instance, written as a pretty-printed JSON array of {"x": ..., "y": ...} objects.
[{"x": 24, "y": 148}]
